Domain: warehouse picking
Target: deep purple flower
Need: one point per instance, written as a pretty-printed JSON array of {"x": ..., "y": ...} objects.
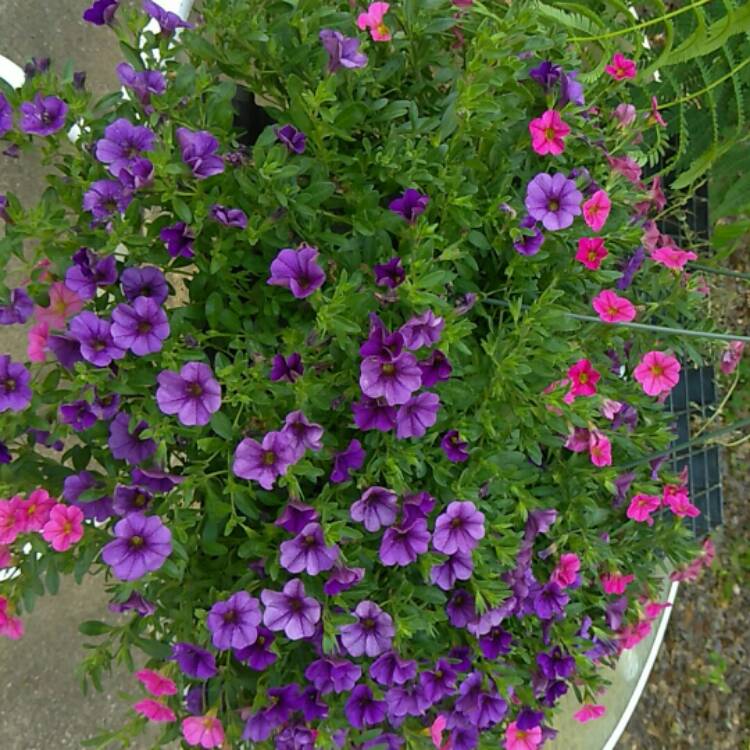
[
  {"x": 303, "y": 435},
  {"x": 464, "y": 737},
  {"x": 362, "y": 710},
  {"x": 105, "y": 197},
  {"x": 469, "y": 691},
  {"x": 233, "y": 623},
  {"x": 460, "y": 527},
  {"x": 422, "y": 330},
  {"x": 135, "y": 603},
  {"x": 179, "y": 240},
  {"x": 44, "y": 116},
  {"x": 390, "y": 669},
  {"x": 258, "y": 727},
  {"x": 264, "y": 462},
  {"x": 347, "y": 461},
  {"x": 313, "y": 706},
  {"x": 546, "y": 74},
  {"x": 18, "y": 310},
  {"x": 376, "y": 507},
  {"x": 15, "y": 394},
  {"x": 550, "y": 601},
  {"x": 122, "y": 143},
  {"x": 405, "y": 700},
  {"x": 402, "y": 544},
  {"x": 461, "y": 609},
  {"x": 539, "y": 521},
  {"x": 146, "y": 281},
  {"x": 630, "y": 268},
  {"x": 291, "y": 611},
  {"x": 372, "y": 634},
  {"x": 453, "y": 447},
  {"x": 628, "y": 416},
  {"x": 89, "y": 272},
  {"x": 131, "y": 500},
  {"x": 6, "y": 116},
  {"x": 528, "y": 719},
  {"x": 622, "y": 485},
  {"x": 557, "y": 664},
  {"x": 155, "y": 479},
  {"x": 142, "y": 544},
  {"x": 380, "y": 342},
  {"x": 342, "y": 579},
  {"x": 554, "y": 200},
  {"x": 297, "y": 270},
  {"x": 229, "y": 217},
  {"x": 286, "y": 368},
  {"x": 295, "y": 140},
  {"x": 78, "y": 414},
  {"x": 417, "y": 415},
  {"x": 75, "y": 485},
  {"x": 394, "y": 379},
  {"x": 194, "y": 661},
  {"x": 374, "y": 414},
  {"x": 6, "y": 458},
  {"x": 127, "y": 445},
  {"x": 168, "y": 22},
  {"x": 457, "y": 567},
  {"x": 343, "y": 51},
  {"x": 195, "y": 700},
  {"x": 258, "y": 655},
  {"x": 308, "y": 552},
  {"x": 435, "y": 369},
  {"x": 296, "y": 516},
  {"x": 553, "y": 692},
  {"x": 418, "y": 505},
  {"x": 198, "y": 149},
  {"x": 143, "y": 83},
  {"x": 101, "y": 12},
  {"x": 390, "y": 274},
  {"x": 193, "y": 394},
  {"x": 531, "y": 243},
  {"x": 496, "y": 642},
  {"x": 490, "y": 710},
  {"x": 410, "y": 205},
  {"x": 439, "y": 682},
  {"x": 333, "y": 675},
  {"x": 141, "y": 327}
]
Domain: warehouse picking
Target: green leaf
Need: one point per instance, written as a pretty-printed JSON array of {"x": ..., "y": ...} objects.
[
  {"x": 222, "y": 425},
  {"x": 94, "y": 627},
  {"x": 182, "y": 210}
]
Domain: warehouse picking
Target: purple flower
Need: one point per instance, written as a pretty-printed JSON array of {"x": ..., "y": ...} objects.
[
  {"x": 168, "y": 22},
  {"x": 417, "y": 415},
  {"x": 44, "y": 116},
  {"x": 614, "y": 613},
  {"x": 550, "y": 601},
  {"x": 528, "y": 719},
  {"x": 6, "y": 116},
  {"x": 628, "y": 416},
  {"x": 101, "y": 12},
  {"x": 198, "y": 151},
  {"x": 95, "y": 338},
  {"x": 142, "y": 544},
  {"x": 89, "y": 272},
  {"x": 554, "y": 200},
  {"x": 292, "y": 138},
  {"x": 390, "y": 274},
  {"x": 258, "y": 655},
  {"x": 308, "y": 552},
  {"x": 3, "y": 206},
  {"x": 78, "y": 415},
  {"x": 347, "y": 461},
  {"x": 195, "y": 700},
  {"x": 461, "y": 609},
  {"x": 459, "y": 528},
  {"x": 179, "y": 240},
  {"x": 372, "y": 634},
  {"x": 76, "y": 485},
  {"x": 122, "y": 143},
  {"x": 453, "y": 447},
  {"x": 571, "y": 90},
  {"x": 19, "y": 309},
  {"x": 557, "y": 663},
  {"x": 297, "y": 270},
  {"x": 374, "y": 414},
  {"x": 286, "y": 368},
  {"x": 291, "y": 611},
  {"x": 630, "y": 268},
  {"x": 332, "y": 675},
  {"x": 130, "y": 500},
  {"x": 464, "y": 737},
  {"x": 229, "y": 217},
  {"x": 531, "y": 243},
  {"x": 422, "y": 330},
  {"x": 342, "y": 579},
  {"x": 155, "y": 479},
  {"x": 303, "y": 435},
  {"x": 264, "y": 462},
  {"x": 435, "y": 369},
  {"x": 313, "y": 707},
  {"x": 147, "y": 281},
  {"x": 457, "y": 567},
  {"x": 390, "y": 669},
  {"x": 141, "y": 327},
  {"x": 105, "y": 197},
  {"x": 394, "y": 379},
  {"x": 380, "y": 342},
  {"x": 6, "y": 458},
  {"x": 127, "y": 445},
  {"x": 144, "y": 83},
  {"x": 296, "y": 516},
  {"x": 402, "y": 544},
  {"x": 375, "y": 508},
  {"x": 362, "y": 710},
  {"x": 135, "y": 603},
  {"x": 418, "y": 505},
  {"x": 539, "y": 522},
  {"x": 343, "y": 51},
  {"x": 496, "y": 642},
  {"x": 553, "y": 692},
  {"x": 405, "y": 700},
  {"x": 546, "y": 74},
  {"x": 193, "y": 394},
  {"x": 194, "y": 661},
  {"x": 234, "y": 622},
  {"x": 439, "y": 682},
  {"x": 622, "y": 485},
  {"x": 410, "y": 205}
]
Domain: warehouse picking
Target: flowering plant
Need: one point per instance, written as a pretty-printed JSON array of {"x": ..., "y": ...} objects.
[{"x": 353, "y": 416}]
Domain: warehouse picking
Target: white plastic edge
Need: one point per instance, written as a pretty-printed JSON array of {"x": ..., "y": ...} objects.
[{"x": 645, "y": 673}]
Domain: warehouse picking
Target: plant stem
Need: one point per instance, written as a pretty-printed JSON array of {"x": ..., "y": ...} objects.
[{"x": 708, "y": 88}]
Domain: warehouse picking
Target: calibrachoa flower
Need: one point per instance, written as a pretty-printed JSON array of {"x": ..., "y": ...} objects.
[
  {"x": 233, "y": 623},
  {"x": 194, "y": 661},
  {"x": 292, "y": 138},
  {"x": 204, "y": 731},
  {"x": 591, "y": 252},
  {"x": 146, "y": 281},
  {"x": 453, "y": 447},
  {"x": 34, "y": 512},
  {"x": 374, "y": 21},
  {"x": 140, "y": 327},
  {"x": 258, "y": 656},
  {"x": 18, "y": 310},
  {"x": 342, "y": 579},
  {"x": 347, "y": 461},
  {"x": 156, "y": 683},
  {"x": 583, "y": 378},
  {"x": 621, "y": 67},
  {"x": 362, "y": 710},
  {"x": 460, "y": 527},
  {"x": 142, "y": 544},
  {"x": 522, "y": 739},
  {"x": 657, "y": 372},
  {"x": 371, "y": 634},
  {"x": 615, "y": 583},
  {"x": 417, "y": 415},
  {"x": 101, "y": 12},
  {"x": 10, "y": 626},
  {"x": 642, "y": 506},
  {"x": 154, "y": 711},
  {"x": 731, "y": 356},
  {"x": 122, "y": 143},
  {"x": 531, "y": 243},
  {"x": 375, "y": 508},
  {"x": 179, "y": 240},
  {"x": 297, "y": 270},
  {"x": 78, "y": 414},
  {"x": 393, "y": 378},
  {"x": 554, "y": 200},
  {"x": 15, "y": 394},
  {"x": 229, "y": 217},
  {"x": 264, "y": 462},
  {"x": 308, "y": 552},
  {"x": 286, "y": 368},
  {"x": 625, "y": 114},
  {"x": 612, "y": 308},
  {"x": 143, "y": 83},
  {"x": 343, "y": 51},
  {"x": 596, "y": 210},
  {"x": 458, "y": 567},
  {"x": 291, "y": 611},
  {"x": 168, "y": 23},
  {"x": 435, "y": 369},
  {"x": 193, "y": 394},
  {"x": 390, "y": 274},
  {"x": 402, "y": 544},
  {"x": 62, "y": 304},
  {"x": 672, "y": 257},
  {"x": 548, "y": 133},
  {"x": 374, "y": 414},
  {"x": 422, "y": 330},
  {"x": 198, "y": 151},
  {"x": 126, "y": 445},
  {"x": 410, "y": 205},
  {"x": 90, "y": 272},
  {"x": 43, "y": 116},
  {"x": 304, "y": 435},
  {"x": 105, "y": 197},
  {"x": 589, "y": 712},
  {"x": 64, "y": 527},
  {"x": 677, "y": 499},
  {"x": 565, "y": 573}
]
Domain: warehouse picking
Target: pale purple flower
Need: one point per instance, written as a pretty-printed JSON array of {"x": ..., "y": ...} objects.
[
  {"x": 394, "y": 379},
  {"x": 374, "y": 414},
  {"x": 193, "y": 394},
  {"x": 90, "y": 272},
  {"x": 194, "y": 661},
  {"x": 142, "y": 544},
  {"x": 342, "y": 579},
  {"x": 19, "y": 309},
  {"x": 297, "y": 270},
  {"x": 229, "y": 217},
  {"x": 140, "y": 327},
  {"x": 554, "y": 200},
  {"x": 377, "y": 507},
  {"x": 146, "y": 281},
  {"x": 292, "y": 138},
  {"x": 417, "y": 415},
  {"x": 291, "y": 611},
  {"x": 43, "y": 116},
  {"x": 264, "y": 462},
  {"x": 343, "y": 51},
  {"x": 198, "y": 149},
  {"x": 422, "y": 330},
  {"x": 460, "y": 527},
  {"x": 286, "y": 368},
  {"x": 179, "y": 240},
  {"x": 458, "y": 567},
  {"x": 155, "y": 479},
  {"x": 134, "y": 603},
  {"x": 105, "y": 197},
  {"x": 15, "y": 394},
  {"x": 127, "y": 445},
  {"x": 347, "y": 461},
  {"x": 308, "y": 552},
  {"x": 123, "y": 142},
  {"x": 410, "y": 205},
  {"x": 303, "y": 435},
  {"x": 571, "y": 90},
  {"x": 233, "y": 623},
  {"x": 402, "y": 544},
  {"x": 95, "y": 338},
  {"x": 371, "y": 634},
  {"x": 418, "y": 505},
  {"x": 168, "y": 22}
]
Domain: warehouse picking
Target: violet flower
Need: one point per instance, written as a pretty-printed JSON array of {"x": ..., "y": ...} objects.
[
  {"x": 343, "y": 51},
  {"x": 6, "y": 116},
  {"x": 308, "y": 552},
  {"x": 18, "y": 310},
  {"x": 286, "y": 368},
  {"x": 229, "y": 217},
  {"x": 390, "y": 669},
  {"x": 198, "y": 149},
  {"x": 233, "y": 623},
  {"x": 333, "y": 675},
  {"x": 461, "y": 609},
  {"x": 303, "y": 435},
  {"x": 134, "y": 603},
  {"x": 179, "y": 240},
  {"x": 295, "y": 140},
  {"x": 417, "y": 415},
  {"x": 95, "y": 338},
  {"x": 347, "y": 461},
  {"x": 193, "y": 394},
  {"x": 168, "y": 22},
  {"x": 43, "y": 116},
  {"x": 296, "y": 516},
  {"x": 76, "y": 485},
  {"x": 194, "y": 661},
  {"x": 435, "y": 369},
  {"x": 438, "y": 683},
  {"x": 144, "y": 83},
  {"x": 460, "y": 527},
  {"x": 375, "y": 508},
  {"x": 453, "y": 447},
  {"x": 105, "y": 197},
  {"x": 362, "y": 710},
  {"x": 374, "y": 414},
  {"x": 78, "y": 414},
  {"x": 291, "y": 611},
  {"x": 546, "y": 74},
  {"x": 342, "y": 579},
  {"x": 297, "y": 270},
  {"x": 264, "y": 462},
  {"x": 550, "y": 601},
  {"x": 371, "y": 634},
  {"x": 146, "y": 281},
  {"x": 556, "y": 664},
  {"x": 126, "y": 445},
  {"x": 554, "y": 200},
  {"x": 394, "y": 379},
  {"x": 496, "y": 642},
  {"x": 258, "y": 655},
  {"x": 90, "y": 272},
  {"x": 630, "y": 268},
  {"x": 141, "y": 327},
  {"x": 531, "y": 243},
  {"x": 122, "y": 143},
  {"x": 458, "y": 567},
  {"x": 141, "y": 545},
  {"x": 15, "y": 393},
  {"x": 131, "y": 500},
  {"x": 390, "y": 274},
  {"x": 422, "y": 330},
  {"x": 402, "y": 544},
  {"x": 410, "y": 205},
  {"x": 101, "y": 12}
]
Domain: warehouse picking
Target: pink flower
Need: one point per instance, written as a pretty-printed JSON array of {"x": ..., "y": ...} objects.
[
  {"x": 627, "y": 167},
  {"x": 632, "y": 635},
  {"x": 656, "y": 118},
  {"x": 596, "y": 210},
  {"x": 652, "y": 237},
  {"x": 589, "y": 712},
  {"x": 672, "y": 257},
  {"x": 155, "y": 711},
  {"x": 463, "y": 3},
  {"x": 37, "y": 341},
  {"x": 578, "y": 440},
  {"x": 566, "y": 572},
  {"x": 62, "y": 304},
  {"x": 436, "y": 732},
  {"x": 731, "y": 357},
  {"x": 583, "y": 378},
  {"x": 612, "y": 308},
  {"x": 205, "y": 731},
  {"x": 625, "y": 114},
  {"x": 642, "y": 506},
  {"x": 6, "y": 558},
  {"x": 591, "y": 252},
  {"x": 35, "y": 510},
  {"x": 621, "y": 67},
  {"x": 615, "y": 583},
  {"x": 156, "y": 683},
  {"x": 10, "y": 626},
  {"x": 600, "y": 449},
  {"x": 64, "y": 527},
  {"x": 610, "y": 408},
  {"x": 519, "y": 739},
  {"x": 373, "y": 20},
  {"x": 657, "y": 373},
  {"x": 708, "y": 554},
  {"x": 653, "y": 609},
  {"x": 12, "y": 522},
  {"x": 677, "y": 499},
  {"x": 547, "y": 133}
]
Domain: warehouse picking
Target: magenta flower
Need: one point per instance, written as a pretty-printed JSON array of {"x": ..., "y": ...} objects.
[
  {"x": 193, "y": 394},
  {"x": 154, "y": 710},
  {"x": 371, "y": 634},
  {"x": 264, "y": 462},
  {"x": 234, "y": 622},
  {"x": 548, "y": 133},
  {"x": 198, "y": 151},
  {"x": 105, "y": 197},
  {"x": 377, "y": 507},
  {"x": 347, "y": 461},
  {"x": 591, "y": 252},
  {"x": 206, "y": 731},
  {"x": 156, "y": 683},
  {"x": 374, "y": 20},
  {"x": 460, "y": 527},
  {"x": 589, "y": 712},
  {"x": 126, "y": 445},
  {"x": 522, "y": 739},
  {"x": 295, "y": 140},
  {"x": 142, "y": 544},
  {"x": 291, "y": 611},
  {"x": 303, "y": 435},
  {"x": 410, "y": 205},
  {"x": 672, "y": 257},
  {"x": 402, "y": 544},
  {"x": 453, "y": 447},
  {"x": 395, "y": 379},
  {"x": 343, "y": 51},
  {"x": 554, "y": 200},
  {"x": 141, "y": 327},
  {"x": 657, "y": 372},
  {"x": 308, "y": 552},
  {"x": 642, "y": 506},
  {"x": 101, "y": 12},
  {"x": 612, "y": 308},
  {"x": 297, "y": 270},
  {"x": 596, "y": 210},
  {"x": 583, "y": 378},
  {"x": 374, "y": 414},
  {"x": 417, "y": 415},
  {"x": 44, "y": 116},
  {"x": 621, "y": 67},
  {"x": 123, "y": 142},
  {"x": 168, "y": 23},
  {"x": 64, "y": 527},
  {"x": 15, "y": 394}
]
